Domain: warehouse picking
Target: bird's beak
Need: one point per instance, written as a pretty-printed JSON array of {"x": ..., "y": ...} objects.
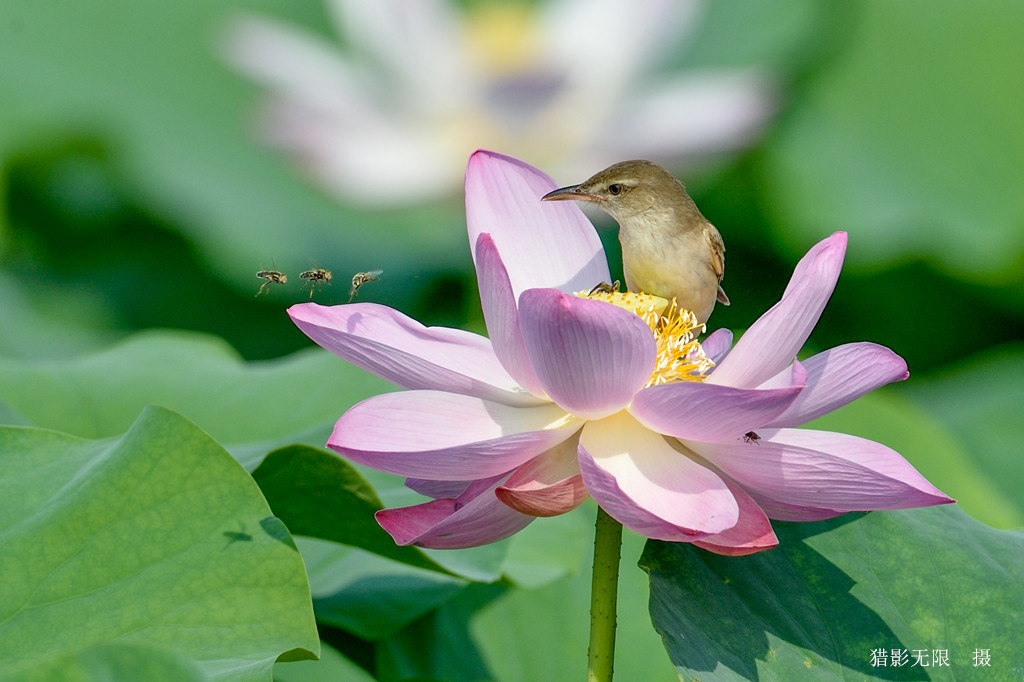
[{"x": 572, "y": 192}]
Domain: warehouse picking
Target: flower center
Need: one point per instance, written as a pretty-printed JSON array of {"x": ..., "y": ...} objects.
[
  {"x": 502, "y": 36},
  {"x": 680, "y": 356}
]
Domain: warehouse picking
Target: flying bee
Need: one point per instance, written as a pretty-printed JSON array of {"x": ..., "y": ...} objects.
[
  {"x": 316, "y": 278},
  {"x": 272, "y": 277},
  {"x": 751, "y": 437},
  {"x": 361, "y": 278}
]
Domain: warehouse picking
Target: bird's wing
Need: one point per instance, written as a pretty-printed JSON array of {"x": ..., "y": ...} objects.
[{"x": 717, "y": 246}]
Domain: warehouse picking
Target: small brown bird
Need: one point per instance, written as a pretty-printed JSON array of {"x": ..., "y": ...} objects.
[{"x": 669, "y": 248}]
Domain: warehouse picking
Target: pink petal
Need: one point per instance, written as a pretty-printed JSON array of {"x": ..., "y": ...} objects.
[
  {"x": 401, "y": 350},
  {"x": 700, "y": 411},
  {"x": 772, "y": 342},
  {"x": 542, "y": 244},
  {"x": 502, "y": 318},
  {"x": 752, "y": 532},
  {"x": 591, "y": 357},
  {"x": 839, "y": 376},
  {"x": 447, "y": 436},
  {"x": 647, "y": 485},
  {"x": 406, "y": 524},
  {"x": 547, "y": 485},
  {"x": 474, "y": 518},
  {"x": 717, "y": 344},
  {"x": 784, "y": 511},
  {"x": 546, "y": 500},
  {"x": 437, "y": 489},
  {"x": 821, "y": 470}
]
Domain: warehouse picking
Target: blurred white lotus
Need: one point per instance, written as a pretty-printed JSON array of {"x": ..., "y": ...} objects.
[{"x": 390, "y": 115}]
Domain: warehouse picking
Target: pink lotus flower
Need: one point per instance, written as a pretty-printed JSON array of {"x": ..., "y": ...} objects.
[{"x": 573, "y": 397}]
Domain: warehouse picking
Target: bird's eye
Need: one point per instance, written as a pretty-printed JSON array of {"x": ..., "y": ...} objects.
[{"x": 615, "y": 189}]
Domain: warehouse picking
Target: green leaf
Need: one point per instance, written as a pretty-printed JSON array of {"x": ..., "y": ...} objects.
[
  {"x": 157, "y": 538},
  {"x": 257, "y": 406},
  {"x": 980, "y": 402},
  {"x": 374, "y": 598},
  {"x": 815, "y": 607},
  {"x": 368, "y": 596},
  {"x": 319, "y": 495},
  {"x": 113, "y": 662},
  {"x": 909, "y": 137},
  {"x": 332, "y": 667},
  {"x": 550, "y": 549},
  {"x": 99, "y": 394},
  {"x": 36, "y": 325},
  {"x": 527, "y": 635},
  {"x": 10, "y": 416},
  {"x": 438, "y": 646},
  {"x": 493, "y": 632}
]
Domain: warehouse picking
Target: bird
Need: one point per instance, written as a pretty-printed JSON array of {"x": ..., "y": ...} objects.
[{"x": 669, "y": 248}]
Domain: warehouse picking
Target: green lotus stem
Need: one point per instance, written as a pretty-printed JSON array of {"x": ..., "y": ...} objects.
[{"x": 603, "y": 597}]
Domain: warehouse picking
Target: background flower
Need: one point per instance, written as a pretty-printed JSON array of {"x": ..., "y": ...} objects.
[{"x": 414, "y": 87}]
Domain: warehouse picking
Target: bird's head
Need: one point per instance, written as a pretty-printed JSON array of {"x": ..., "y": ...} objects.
[{"x": 625, "y": 189}]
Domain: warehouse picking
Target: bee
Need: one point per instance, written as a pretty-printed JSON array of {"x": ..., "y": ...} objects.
[
  {"x": 751, "y": 437},
  {"x": 272, "y": 277},
  {"x": 361, "y": 278},
  {"x": 605, "y": 288},
  {"x": 316, "y": 278}
]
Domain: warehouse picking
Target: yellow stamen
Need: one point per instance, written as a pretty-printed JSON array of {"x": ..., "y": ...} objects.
[
  {"x": 680, "y": 356},
  {"x": 632, "y": 301}
]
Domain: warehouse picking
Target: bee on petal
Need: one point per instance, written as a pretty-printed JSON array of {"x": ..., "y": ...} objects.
[
  {"x": 361, "y": 278},
  {"x": 751, "y": 437},
  {"x": 316, "y": 278}
]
